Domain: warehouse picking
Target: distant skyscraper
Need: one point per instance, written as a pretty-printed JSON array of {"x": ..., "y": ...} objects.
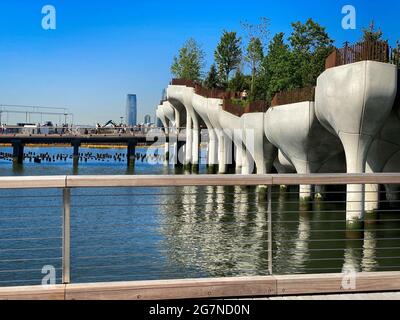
[
  {"x": 147, "y": 119},
  {"x": 131, "y": 110}
]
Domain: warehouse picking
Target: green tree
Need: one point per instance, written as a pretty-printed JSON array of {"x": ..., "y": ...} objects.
[
  {"x": 189, "y": 63},
  {"x": 278, "y": 69},
  {"x": 370, "y": 34},
  {"x": 239, "y": 82},
  {"x": 228, "y": 55},
  {"x": 260, "y": 31},
  {"x": 211, "y": 81},
  {"x": 254, "y": 57},
  {"x": 311, "y": 45}
]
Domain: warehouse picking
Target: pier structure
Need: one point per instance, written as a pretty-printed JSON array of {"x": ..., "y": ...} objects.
[
  {"x": 348, "y": 123},
  {"x": 19, "y": 141}
]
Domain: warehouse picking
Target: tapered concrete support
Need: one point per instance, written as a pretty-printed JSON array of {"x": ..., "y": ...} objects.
[
  {"x": 303, "y": 142},
  {"x": 185, "y": 96},
  {"x": 180, "y": 158},
  {"x": 247, "y": 163},
  {"x": 170, "y": 114},
  {"x": 201, "y": 106},
  {"x": 75, "y": 153},
  {"x": 222, "y": 153},
  {"x": 173, "y": 159},
  {"x": 166, "y": 154},
  {"x": 283, "y": 165},
  {"x": 233, "y": 136},
  {"x": 319, "y": 192},
  {"x": 371, "y": 198},
  {"x": 239, "y": 160},
  {"x": 18, "y": 152},
  {"x": 263, "y": 152},
  {"x": 131, "y": 152},
  {"x": 384, "y": 154},
  {"x": 196, "y": 150},
  {"x": 161, "y": 115},
  {"x": 353, "y": 102},
  {"x": 189, "y": 141}
]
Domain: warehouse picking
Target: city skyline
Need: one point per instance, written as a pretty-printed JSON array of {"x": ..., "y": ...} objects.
[{"x": 98, "y": 54}]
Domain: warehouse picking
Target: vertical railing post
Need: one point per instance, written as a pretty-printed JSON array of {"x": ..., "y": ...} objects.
[
  {"x": 270, "y": 229},
  {"x": 66, "y": 238}
]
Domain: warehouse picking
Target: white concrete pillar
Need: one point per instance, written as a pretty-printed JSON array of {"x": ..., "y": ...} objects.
[
  {"x": 371, "y": 198},
  {"x": 356, "y": 147},
  {"x": 189, "y": 141},
  {"x": 195, "y": 147},
  {"x": 212, "y": 156},
  {"x": 174, "y": 153},
  {"x": 222, "y": 159},
  {"x": 371, "y": 195},
  {"x": 247, "y": 162},
  {"x": 166, "y": 154},
  {"x": 238, "y": 158}
]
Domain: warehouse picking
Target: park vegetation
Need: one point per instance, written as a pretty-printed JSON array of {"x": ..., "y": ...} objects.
[{"x": 259, "y": 64}]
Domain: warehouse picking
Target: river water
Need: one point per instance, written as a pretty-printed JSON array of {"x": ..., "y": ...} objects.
[{"x": 169, "y": 233}]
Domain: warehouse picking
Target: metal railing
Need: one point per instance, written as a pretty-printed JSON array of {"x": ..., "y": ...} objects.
[
  {"x": 243, "y": 107},
  {"x": 109, "y": 228},
  {"x": 294, "y": 96},
  {"x": 379, "y": 51},
  {"x": 232, "y": 101},
  {"x": 74, "y": 131}
]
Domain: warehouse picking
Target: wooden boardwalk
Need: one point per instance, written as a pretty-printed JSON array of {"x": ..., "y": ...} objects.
[
  {"x": 351, "y": 296},
  {"x": 293, "y": 287}
]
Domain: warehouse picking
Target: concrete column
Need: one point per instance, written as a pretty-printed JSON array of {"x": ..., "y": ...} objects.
[
  {"x": 230, "y": 155},
  {"x": 222, "y": 165},
  {"x": 180, "y": 154},
  {"x": 173, "y": 141},
  {"x": 356, "y": 113},
  {"x": 212, "y": 151},
  {"x": 18, "y": 152},
  {"x": 195, "y": 149},
  {"x": 247, "y": 162},
  {"x": 305, "y": 193},
  {"x": 356, "y": 147},
  {"x": 167, "y": 154},
  {"x": 75, "y": 154},
  {"x": 319, "y": 192},
  {"x": 130, "y": 155},
  {"x": 371, "y": 196},
  {"x": 189, "y": 141},
  {"x": 238, "y": 157}
]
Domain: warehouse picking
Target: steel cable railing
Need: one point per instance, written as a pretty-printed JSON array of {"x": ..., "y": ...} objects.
[{"x": 101, "y": 233}]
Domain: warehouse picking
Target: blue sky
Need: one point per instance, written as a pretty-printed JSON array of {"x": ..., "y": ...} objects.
[{"x": 103, "y": 50}]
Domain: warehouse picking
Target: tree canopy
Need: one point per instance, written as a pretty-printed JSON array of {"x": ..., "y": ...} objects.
[
  {"x": 228, "y": 55},
  {"x": 212, "y": 81},
  {"x": 189, "y": 63},
  {"x": 254, "y": 57},
  {"x": 282, "y": 63},
  {"x": 370, "y": 34}
]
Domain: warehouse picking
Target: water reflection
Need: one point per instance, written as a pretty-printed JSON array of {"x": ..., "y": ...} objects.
[{"x": 218, "y": 231}]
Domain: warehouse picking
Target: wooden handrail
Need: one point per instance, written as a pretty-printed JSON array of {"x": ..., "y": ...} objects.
[
  {"x": 194, "y": 180},
  {"x": 268, "y": 286}
]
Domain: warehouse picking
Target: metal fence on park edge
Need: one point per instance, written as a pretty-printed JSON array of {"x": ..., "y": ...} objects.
[{"x": 83, "y": 229}]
